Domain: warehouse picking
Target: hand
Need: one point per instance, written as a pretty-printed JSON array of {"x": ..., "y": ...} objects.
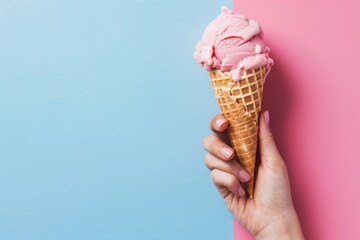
[{"x": 270, "y": 214}]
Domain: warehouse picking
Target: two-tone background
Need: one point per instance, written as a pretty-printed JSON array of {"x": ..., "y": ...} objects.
[{"x": 102, "y": 112}]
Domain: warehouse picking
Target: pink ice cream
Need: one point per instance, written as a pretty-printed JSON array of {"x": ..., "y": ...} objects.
[{"x": 232, "y": 43}]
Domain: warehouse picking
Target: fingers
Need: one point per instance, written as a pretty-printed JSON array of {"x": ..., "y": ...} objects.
[
  {"x": 269, "y": 153},
  {"x": 232, "y": 167},
  {"x": 223, "y": 179},
  {"x": 215, "y": 146},
  {"x": 219, "y": 125},
  {"x": 226, "y": 172}
]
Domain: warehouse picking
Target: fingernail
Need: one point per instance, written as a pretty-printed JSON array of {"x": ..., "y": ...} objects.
[
  {"x": 241, "y": 191},
  {"x": 227, "y": 152},
  {"x": 267, "y": 118},
  {"x": 244, "y": 175},
  {"x": 219, "y": 123}
]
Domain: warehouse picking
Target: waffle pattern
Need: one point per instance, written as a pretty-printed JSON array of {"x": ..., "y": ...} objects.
[{"x": 240, "y": 103}]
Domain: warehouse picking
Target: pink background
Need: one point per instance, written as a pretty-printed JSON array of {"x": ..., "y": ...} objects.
[{"x": 313, "y": 97}]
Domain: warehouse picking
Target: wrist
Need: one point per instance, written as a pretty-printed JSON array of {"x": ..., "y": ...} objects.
[{"x": 285, "y": 226}]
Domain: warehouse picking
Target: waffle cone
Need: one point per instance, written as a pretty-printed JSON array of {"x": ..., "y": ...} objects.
[{"x": 240, "y": 103}]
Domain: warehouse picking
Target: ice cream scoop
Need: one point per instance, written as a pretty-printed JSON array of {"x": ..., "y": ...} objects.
[
  {"x": 237, "y": 60},
  {"x": 232, "y": 43}
]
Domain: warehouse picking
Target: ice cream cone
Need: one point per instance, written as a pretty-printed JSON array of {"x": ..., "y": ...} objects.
[{"x": 240, "y": 103}]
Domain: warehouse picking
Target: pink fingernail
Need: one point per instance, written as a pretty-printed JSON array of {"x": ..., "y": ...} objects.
[
  {"x": 267, "y": 118},
  {"x": 241, "y": 191},
  {"x": 244, "y": 175},
  {"x": 219, "y": 123},
  {"x": 227, "y": 152}
]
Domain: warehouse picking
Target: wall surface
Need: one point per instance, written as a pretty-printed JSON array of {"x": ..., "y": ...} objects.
[
  {"x": 102, "y": 112},
  {"x": 313, "y": 97}
]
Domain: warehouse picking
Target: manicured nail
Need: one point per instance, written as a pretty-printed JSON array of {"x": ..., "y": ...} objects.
[
  {"x": 219, "y": 123},
  {"x": 244, "y": 176},
  {"x": 227, "y": 152},
  {"x": 267, "y": 118},
  {"x": 241, "y": 192}
]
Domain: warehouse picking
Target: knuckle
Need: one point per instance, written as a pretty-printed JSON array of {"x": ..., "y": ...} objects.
[
  {"x": 207, "y": 159},
  {"x": 206, "y": 140},
  {"x": 210, "y": 141},
  {"x": 214, "y": 174}
]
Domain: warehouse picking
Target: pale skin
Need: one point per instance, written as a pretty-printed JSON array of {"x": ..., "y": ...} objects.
[{"x": 270, "y": 214}]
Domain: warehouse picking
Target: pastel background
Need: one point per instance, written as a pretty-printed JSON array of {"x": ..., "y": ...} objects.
[
  {"x": 313, "y": 97},
  {"x": 102, "y": 111}
]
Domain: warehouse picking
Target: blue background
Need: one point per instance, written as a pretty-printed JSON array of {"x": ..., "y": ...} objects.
[{"x": 102, "y": 112}]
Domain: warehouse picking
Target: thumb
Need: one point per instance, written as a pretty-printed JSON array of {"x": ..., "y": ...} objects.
[{"x": 269, "y": 154}]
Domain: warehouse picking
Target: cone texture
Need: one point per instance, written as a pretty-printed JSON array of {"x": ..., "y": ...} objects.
[{"x": 240, "y": 103}]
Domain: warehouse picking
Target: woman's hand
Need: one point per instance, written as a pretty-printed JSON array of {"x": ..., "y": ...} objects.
[{"x": 270, "y": 214}]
